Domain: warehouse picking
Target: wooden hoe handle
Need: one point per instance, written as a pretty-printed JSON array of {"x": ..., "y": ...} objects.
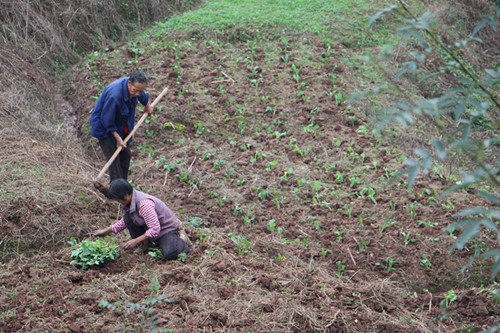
[{"x": 139, "y": 123}]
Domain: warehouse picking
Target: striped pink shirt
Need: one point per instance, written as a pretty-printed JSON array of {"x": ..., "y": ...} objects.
[{"x": 147, "y": 211}]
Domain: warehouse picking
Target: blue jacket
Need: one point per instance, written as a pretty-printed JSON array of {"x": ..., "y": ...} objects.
[{"x": 115, "y": 109}]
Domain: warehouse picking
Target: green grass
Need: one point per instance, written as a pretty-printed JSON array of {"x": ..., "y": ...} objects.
[{"x": 281, "y": 19}]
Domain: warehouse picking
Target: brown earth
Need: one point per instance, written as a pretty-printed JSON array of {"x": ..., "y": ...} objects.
[{"x": 337, "y": 261}]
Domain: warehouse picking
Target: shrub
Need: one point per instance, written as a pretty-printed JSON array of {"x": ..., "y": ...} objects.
[{"x": 456, "y": 114}]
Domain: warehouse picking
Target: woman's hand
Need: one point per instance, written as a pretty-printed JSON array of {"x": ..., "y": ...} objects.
[
  {"x": 131, "y": 243},
  {"x": 102, "y": 232},
  {"x": 135, "y": 241}
]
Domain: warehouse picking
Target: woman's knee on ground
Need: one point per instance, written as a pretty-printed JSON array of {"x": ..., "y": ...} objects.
[{"x": 169, "y": 254}]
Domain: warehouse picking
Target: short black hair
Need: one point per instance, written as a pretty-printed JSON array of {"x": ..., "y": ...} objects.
[
  {"x": 118, "y": 188},
  {"x": 138, "y": 76}
]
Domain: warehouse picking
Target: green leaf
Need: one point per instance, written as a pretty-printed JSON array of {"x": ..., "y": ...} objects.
[
  {"x": 407, "y": 66},
  {"x": 459, "y": 110},
  {"x": 490, "y": 197},
  {"x": 441, "y": 151},
  {"x": 490, "y": 225},
  {"x": 422, "y": 153},
  {"x": 380, "y": 13},
  {"x": 493, "y": 73},
  {"x": 487, "y": 19},
  {"x": 419, "y": 56},
  {"x": 363, "y": 94},
  {"x": 495, "y": 214},
  {"x": 496, "y": 267},
  {"x": 454, "y": 188},
  {"x": 412, "y": 175},
  {"x": 317, "y": 185},
  {"x": 466, "y": 236},
  {"x": 472, "y": 211},
  {"x": 72, "y": 242},
  {"x": 464, "y": 144}
]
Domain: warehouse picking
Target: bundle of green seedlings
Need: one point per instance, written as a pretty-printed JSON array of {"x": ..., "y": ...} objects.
[{"x": 90, "y": 253}]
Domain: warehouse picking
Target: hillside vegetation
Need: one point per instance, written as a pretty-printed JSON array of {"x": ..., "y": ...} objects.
[{"x": 281, "y": 184}]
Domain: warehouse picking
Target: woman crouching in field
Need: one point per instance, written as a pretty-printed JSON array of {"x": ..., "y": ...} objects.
[{"x": 147, "y": 218}]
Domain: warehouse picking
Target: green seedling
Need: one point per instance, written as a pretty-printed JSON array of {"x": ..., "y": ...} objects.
[
  {"x": 340, "y": 267},
  {"x": 155, "y": 253},
  {"x": 181, "y": 257},
  {"x": 425, "y": 224},
  {"x": 271, "y": 225},
  {"x": 314, "y": 221},
  {"x": 220, "y": 201},
  {"x": 213, "y": 194},
  {"x": 258, "y": 156},
  {"x": 211, "y": 252},
  {"x": 324, "y": 252},
  {"x": 206, "y": 156},
  {"x": 271, "y": 165},
  {"x": 182, "y": 177},
  {"x": 271, "y": 110},
  {"x": 262, "y": 195},
  {"x": 336, "y": 142},
  {"x": 229, "y": 173},
  {"x": 354, "y": 181},
  {"x": 278, "y": 134},
  {"x": 389, "y": 264},
  {"x": 407, "y": 238},
  {"x": 287, "y": 173},
  {"x": 237, "y": 210},
  {"x": 302, "y": 152},
  {"x": 242, "y": 244},
  {"x": 276, "y": 202},
  {"x": 199, "y": 128},
  {"x": 339, "y": 235},
  {"x": 449, "y": 297},
  {"x": 362, "y": 245},
  {"x": 296, "y": 72},
  {"x": 248, "y": 218},
  {"x": 245, "y": 146},
  {"x": 280, "y": 257},
  {"x": 346, "y": 210},
  {"x": 363, "y": 130},
  {"x": 339, "y": 177},
  {"x": 387, "y": 223},
  {"x": 219, "y": 164},
  {"x": 90, "y": 253},
  {"x": 370, "y": 192},
  {"x": 424, "y": 262},
  {"x": 150, "y": 134}
]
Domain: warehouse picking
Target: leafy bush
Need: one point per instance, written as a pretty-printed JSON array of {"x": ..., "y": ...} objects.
[
  {"x": 93, "y": 252},
  {"x": 456, "y": 115}
]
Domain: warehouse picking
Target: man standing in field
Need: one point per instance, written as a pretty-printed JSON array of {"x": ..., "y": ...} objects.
[{"x": 113, "y": 118}]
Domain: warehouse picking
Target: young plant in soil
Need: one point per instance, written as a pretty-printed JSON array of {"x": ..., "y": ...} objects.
[{"x": 90, "y": 253}]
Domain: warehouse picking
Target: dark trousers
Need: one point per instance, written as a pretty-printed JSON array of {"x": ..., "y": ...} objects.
[
  {"x": 170, "y": 243},
  {"x": 119, "y": 167}
]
